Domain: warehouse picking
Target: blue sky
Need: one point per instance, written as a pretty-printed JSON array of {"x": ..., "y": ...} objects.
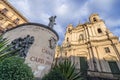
[{"x": 70, "y": 12}]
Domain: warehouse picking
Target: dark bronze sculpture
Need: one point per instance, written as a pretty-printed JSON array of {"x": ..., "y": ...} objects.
[
  {"x": 22, "y": 45},
  {"x": 52, "y": 22}
]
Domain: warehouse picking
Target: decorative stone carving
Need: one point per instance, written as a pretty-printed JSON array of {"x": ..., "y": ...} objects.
[{"x": 52, "y": 43}]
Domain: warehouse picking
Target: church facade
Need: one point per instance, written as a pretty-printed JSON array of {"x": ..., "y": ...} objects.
[
  {"x": 9, "y": 16},
  {"x": 92, "y": 48}
]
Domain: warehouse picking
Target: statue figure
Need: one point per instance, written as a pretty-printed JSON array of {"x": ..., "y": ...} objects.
[
  {"x": 22, "y": 45},
  {"x": 52, "y": 21}
]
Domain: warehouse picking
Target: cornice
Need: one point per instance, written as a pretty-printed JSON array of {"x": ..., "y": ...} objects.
[{"x": 104, "y": 39}]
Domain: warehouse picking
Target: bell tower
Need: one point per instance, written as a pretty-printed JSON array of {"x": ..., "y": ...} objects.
[
  {"x": 94, "y": 18},
  {"x": 98, "y": 27}
]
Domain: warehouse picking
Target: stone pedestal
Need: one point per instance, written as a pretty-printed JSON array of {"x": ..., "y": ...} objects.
[{"x": 41, "y": 53}]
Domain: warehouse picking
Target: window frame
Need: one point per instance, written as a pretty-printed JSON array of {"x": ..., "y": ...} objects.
[
  {"x": 67, "y": 39},
  {"x": 81, "y": 36},
  {"x": 107, "y": 49},
  {"x": 99, "y": 30},
  {"x": 4, "y": 11},
  {"x": 16, "y": 21},
  {"x": 114, "y": 67}
]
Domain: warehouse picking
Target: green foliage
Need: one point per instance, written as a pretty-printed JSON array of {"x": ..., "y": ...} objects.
[
  {"x": 4, "y": 49},
  {"x": 63, "y": 71},
  {"x": 13, "y": 68},
  {"x": 54, "y": 75},
  {"x": 68, "y": 70}
]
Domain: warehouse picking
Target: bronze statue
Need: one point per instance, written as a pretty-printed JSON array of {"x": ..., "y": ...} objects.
[
  {"x": 22, "y": 45},
  {"x": 52, "y": 22}
]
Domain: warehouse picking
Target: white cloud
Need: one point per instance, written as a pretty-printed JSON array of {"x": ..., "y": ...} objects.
[
  {"x": 44, "y": 17},
  {"x": 103, "y": 5},
  {"x": 116, "y": 32},
  {"x": 112, "y": 22},
  {"x": 82, "y": 12},
  {"x": 62, "y": 10},
  {"x": 59, "y": 29},
  {"x": 67, "y": 11}
]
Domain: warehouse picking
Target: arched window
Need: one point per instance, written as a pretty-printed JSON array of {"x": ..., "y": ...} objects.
[
  {"x": 81, "y": 37},
  {"x": 99, "y": 30}
]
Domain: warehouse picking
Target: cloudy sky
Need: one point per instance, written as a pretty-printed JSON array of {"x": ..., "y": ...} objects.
[{"x": 70, "y": 12}]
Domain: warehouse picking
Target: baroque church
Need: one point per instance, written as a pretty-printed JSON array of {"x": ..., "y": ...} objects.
[
  {"x": 9, "y": 16},
  {"x": 92, "y": 48}
]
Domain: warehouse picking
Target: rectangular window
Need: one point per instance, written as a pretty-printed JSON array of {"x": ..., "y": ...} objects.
[
  {"x": 107, "y": 50},
  {"x": 114, "y": 67},
  {"x": 16, "y": 21},
  {"x": 67, "y": 39},
  {"x": 4, "y": 11}
]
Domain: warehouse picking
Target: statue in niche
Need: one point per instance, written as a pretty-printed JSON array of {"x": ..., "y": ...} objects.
[
  {"x": 81, "y": 37},
  {"x": 52, "y": 22},
  {"x": 22, "y": 45}
]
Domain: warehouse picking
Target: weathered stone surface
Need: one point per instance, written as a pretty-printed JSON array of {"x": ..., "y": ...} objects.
[{"x": 40, "y": 42}]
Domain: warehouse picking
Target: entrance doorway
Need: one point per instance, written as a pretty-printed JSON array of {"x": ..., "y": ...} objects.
[
  {"x": 83, "y": 65},
  {"x": 114, "y": 67}
]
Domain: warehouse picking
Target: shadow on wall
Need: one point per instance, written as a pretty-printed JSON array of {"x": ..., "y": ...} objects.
[
  {"x": 104, "y": 68},
  {"x": 95, "y": 69}
]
